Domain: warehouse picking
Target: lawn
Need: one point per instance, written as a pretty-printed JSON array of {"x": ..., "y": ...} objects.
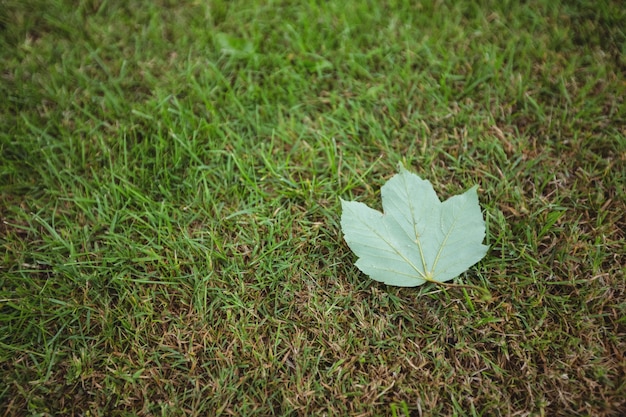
[{"x": 171, "y": 176}]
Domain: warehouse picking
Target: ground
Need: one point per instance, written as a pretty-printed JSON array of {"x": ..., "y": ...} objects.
[{"x": 170, "y": 188}]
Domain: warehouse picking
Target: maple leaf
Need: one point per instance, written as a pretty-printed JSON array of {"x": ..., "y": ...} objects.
[{"x": 418, "y": 239}]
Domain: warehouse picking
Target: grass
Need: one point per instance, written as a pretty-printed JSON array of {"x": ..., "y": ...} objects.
[{"x": 170, "y": 182}]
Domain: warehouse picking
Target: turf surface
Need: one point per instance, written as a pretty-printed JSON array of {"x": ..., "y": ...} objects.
[{"x": 170, "y": 184}]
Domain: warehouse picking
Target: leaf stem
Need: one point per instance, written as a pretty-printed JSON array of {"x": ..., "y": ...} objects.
[{"x": 485, "y": 292}]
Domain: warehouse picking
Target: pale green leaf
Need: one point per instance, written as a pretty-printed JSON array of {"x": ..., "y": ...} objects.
[{"x": 418, "y": 238}]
